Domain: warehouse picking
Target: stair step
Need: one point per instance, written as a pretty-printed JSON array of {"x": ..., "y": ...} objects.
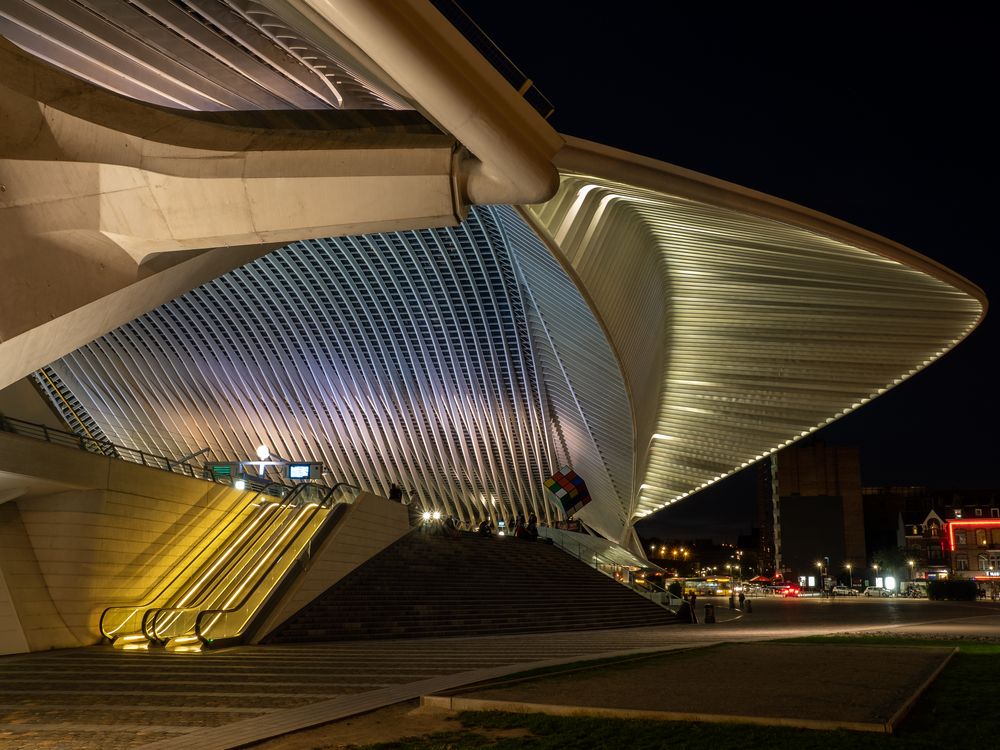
[{"x": 425, "y": 586}]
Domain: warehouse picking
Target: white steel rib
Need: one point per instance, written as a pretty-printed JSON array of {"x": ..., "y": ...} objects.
[
  {"x": 668, "y": 330},
  {"x": 202, "y": 55},
  {"x": 459, "y": 362},
  {"x": 741, "y": 323}
]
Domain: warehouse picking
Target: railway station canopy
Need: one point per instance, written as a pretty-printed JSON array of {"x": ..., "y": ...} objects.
[{"x": 337, "y": 228}]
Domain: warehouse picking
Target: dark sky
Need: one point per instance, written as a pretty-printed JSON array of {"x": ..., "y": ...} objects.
[{"x": 880, "y": 118}]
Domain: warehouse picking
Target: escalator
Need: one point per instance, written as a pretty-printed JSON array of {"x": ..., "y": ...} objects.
[{"x": 217, "y": 598}]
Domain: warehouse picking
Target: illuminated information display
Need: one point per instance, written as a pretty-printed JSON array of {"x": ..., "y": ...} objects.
[{"x": 304, "y": 471}]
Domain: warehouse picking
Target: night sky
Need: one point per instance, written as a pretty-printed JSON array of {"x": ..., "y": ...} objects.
[{"x": 880, "y": 118}]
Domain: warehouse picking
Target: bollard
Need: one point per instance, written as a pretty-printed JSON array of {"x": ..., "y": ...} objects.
[
  {"x": 732, "y": 602},
  {"x": 709, "y": 614},
  {"x": 749, "y": 609}
]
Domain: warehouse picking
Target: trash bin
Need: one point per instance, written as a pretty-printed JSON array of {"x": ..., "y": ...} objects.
[{"x": 709, "y": 613}]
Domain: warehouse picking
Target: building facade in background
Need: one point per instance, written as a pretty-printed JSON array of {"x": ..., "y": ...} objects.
[
  {"x": 825, "y": 522},
  {"x": 819, "y": 510}
]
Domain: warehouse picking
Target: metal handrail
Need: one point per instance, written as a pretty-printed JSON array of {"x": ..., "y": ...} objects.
[
  {"x": 304, "y": 554},
  {"x": 164, "y": 588},
  {"x": 98, "y": 446},
  {"x": 121, "y": 452},
  {"x": 662, "y": 597},
  {"x": 152, "y": 618},
  {"x": 490, "y": 50}
]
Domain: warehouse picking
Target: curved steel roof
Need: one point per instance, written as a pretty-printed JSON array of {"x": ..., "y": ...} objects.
[
  {"x": 202, "y": 55},
  {"x": 460, "y": 362},
  {"x": 741, "y": 324},
  {"x": 716, "y": 325}
]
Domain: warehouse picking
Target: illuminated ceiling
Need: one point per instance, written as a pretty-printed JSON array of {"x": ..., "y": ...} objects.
[
  {"x": 461, "y": 363},
  {"x": 654, "y": 329},
  {"x": 203, "y": 55},
  {"x": 739, "y": 332}
]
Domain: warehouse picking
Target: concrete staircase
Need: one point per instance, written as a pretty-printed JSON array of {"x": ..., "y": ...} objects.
[{"x": 432, "y": 586}]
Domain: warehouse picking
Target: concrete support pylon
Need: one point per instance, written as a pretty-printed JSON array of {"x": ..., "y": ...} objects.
[{"x": 110, "y": 207}]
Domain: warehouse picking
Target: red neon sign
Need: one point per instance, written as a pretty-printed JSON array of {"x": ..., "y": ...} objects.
[{"x": 981, "y": 522}]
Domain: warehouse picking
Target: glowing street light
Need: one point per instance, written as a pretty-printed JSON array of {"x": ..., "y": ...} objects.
[{"x": 850, "y": 575}]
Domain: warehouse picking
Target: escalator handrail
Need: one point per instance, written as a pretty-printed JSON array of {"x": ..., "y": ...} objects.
[
  {"x": 150, "y": 617},
  {"x": 192, "y": 561},
  {"x": 266, "y": 573},
  {"x": 232, "y": 556},
  {"x": 293, "y": 498},
  {"x": 237, "y": 553}
]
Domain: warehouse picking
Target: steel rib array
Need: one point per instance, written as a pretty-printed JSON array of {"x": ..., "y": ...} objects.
[
  {"x": 460, "y": 362},
  {"x": 739, "y": 334},
  {"x": 202, "y": 55},
  {"x": 464, "y": 362},
  {"x": 590, "y": 425}
]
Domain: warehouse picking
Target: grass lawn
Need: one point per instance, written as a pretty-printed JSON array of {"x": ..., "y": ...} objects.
[{"x": 954, "y": 712}]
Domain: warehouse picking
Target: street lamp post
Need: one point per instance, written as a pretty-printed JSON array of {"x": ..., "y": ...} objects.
[
  {"x": 850, "y": 576},
  {"x": 875, "y": 568}
]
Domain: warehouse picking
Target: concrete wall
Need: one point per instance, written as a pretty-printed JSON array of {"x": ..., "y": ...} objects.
[
  {"x": 111, "y": 207},
  {"x": 22, "y": 400},
  {"x": 370, "y": 525},
  {"x": 114, "y": 537},
  {"x": 28, "y": 618}
]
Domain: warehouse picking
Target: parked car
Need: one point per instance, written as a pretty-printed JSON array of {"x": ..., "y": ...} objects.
[
  {"x": 877, "y": 591},
  {"x": 843, "y": 591}
]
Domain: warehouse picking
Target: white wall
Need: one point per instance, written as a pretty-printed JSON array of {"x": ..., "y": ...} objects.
[{"x": 65, "y": 556}]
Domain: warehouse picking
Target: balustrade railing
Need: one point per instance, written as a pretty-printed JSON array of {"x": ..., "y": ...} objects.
[
  {"x": 124, "y": 453},
  {"x": 621, "y": 573},
  {"x": 489, "y": 49}
]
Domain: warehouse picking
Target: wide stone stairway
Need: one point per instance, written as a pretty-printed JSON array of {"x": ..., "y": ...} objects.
[{"x": 427, "y": 585}]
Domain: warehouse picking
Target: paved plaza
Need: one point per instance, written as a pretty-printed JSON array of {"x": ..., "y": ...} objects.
[{"x": 101, "y": 698}]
